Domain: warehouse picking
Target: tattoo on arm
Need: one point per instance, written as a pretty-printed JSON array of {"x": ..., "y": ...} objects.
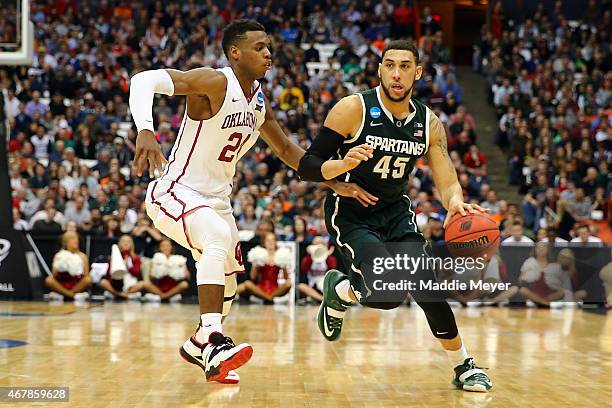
[{"x": 438, "y": 129}]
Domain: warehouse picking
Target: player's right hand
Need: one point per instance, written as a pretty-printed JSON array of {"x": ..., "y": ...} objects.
[
  {"x": 148, "y": 151},
  {"x": 357, "y": 154}
]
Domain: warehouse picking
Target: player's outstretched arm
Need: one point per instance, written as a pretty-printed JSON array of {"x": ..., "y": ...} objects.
[
  {"x": 316, "y": 164},
  {"x": 444, "y": 173},
  {"x": 144, "y": 86}
]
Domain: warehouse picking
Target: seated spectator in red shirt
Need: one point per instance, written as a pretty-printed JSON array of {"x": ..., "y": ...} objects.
[
  {"x": 313, "y": 268},
  {"x": 70, "y": 271},
  {"x": 124, "y": 282},
  {"x": 475, "y": 161}
]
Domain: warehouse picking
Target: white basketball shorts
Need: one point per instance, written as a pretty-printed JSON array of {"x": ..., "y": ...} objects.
[{"x": 171, "y": 206}]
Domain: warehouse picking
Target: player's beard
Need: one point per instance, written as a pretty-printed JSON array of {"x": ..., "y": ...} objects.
[{"x": 395, "y": 98}]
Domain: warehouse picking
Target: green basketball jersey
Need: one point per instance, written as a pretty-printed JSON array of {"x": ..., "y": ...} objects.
[{"x": 397, "y": 146}]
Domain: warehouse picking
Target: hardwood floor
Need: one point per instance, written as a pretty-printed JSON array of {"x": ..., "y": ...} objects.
[{"x": 126, "y": 355}]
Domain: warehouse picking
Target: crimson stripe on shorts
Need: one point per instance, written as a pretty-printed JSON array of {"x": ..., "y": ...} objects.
[
  {"x": 195, "y": 142},
  {"x": 178, "y": 144},
  {"x": 182, "y": 203}
]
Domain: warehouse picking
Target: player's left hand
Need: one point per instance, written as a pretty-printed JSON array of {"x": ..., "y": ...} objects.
[
  {"x": 463, "y": 208},
  {"x": 353, "y": 190}
]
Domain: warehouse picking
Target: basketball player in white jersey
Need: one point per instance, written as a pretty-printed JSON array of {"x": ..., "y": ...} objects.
[{"x": 189, "y": 202}]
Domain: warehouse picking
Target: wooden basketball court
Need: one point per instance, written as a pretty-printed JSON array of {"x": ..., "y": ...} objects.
[{"x": 126, "y": 355}]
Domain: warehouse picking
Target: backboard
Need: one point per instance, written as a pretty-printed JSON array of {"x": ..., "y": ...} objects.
[{"x": 16, "y": 33}]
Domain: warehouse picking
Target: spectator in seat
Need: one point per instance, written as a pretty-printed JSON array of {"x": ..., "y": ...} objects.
[
  {"x": 145, "y": 230},
  {"x": 129, "y": 284},
  {"x": 540, "y": 277},
  {"x": 584, "y": 235},
  {"x": 491, "y": 202},
  {"x": 312, "y": 54},
  {"x": 19, "y": 223},
  {"x": 70, "y": 271},
  {"x": 569, "y": 278},
  {"x": 168, "y": 275},
  {"x": 436, "y": 230},
  {"x": 429, "y": 22},
  {"x": 475, "y": 161},
  {"x": 112, "y": 226},
  {"x": 77, "y": 210},
  {"x": 267, "y": 264},
  {"x": 248, "y": 220},
  {"x": 549, "y": 234},
  {"x": 517, "y": 236},
  {"x": 313, "y": 268},
  {"x": 48, "y": 225},
  {"x": 581, "y": 206},
  {"x": 40, "y": 178},
  {"x": 440, "y": 54},
  {"x": 290, "y": 90},
  {"x": 464, "y": 144},
  {"x": 426, "y": 211}
]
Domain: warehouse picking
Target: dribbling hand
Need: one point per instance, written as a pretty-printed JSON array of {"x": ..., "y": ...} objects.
[
  {"x": 458, "y": 206},
  {"x": 148, "y": 152}
]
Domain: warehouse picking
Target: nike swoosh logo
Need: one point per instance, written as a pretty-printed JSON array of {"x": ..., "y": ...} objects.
[
  {"x": 147, "y": 120},
  {"x": 235, "y": 100},
  {"x": 375, "y": 124},
  {"x": 441, "y": 332},
  {"x": 327, "y": 331}
]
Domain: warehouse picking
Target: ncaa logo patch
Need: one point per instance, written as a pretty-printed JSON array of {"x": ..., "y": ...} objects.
[
  {"x": 375, "y": 112},
  {"x": 260, "y": 98}
]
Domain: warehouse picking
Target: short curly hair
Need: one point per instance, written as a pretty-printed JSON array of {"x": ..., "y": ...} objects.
[{"x": 236, "y": 31}]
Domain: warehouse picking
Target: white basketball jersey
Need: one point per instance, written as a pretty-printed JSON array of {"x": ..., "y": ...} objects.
[{"x": 205, "y": 153}]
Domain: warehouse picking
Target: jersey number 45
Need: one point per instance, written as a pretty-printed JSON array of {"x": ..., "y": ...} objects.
[{"x": 399, "y": 167}]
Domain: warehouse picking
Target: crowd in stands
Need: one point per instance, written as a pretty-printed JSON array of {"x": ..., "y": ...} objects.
[
  {"x": 550, "y": 80},
  {"x": 71, "y": 139}
]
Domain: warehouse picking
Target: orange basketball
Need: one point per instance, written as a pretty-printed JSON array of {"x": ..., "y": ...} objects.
[{"x": 475, "y": 235}]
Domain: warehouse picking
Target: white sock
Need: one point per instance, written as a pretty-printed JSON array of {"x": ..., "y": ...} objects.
[
  {"x": 343, "y": 289},
  {"x": 457, "y": 357},
  {"x": 211, "y": 322}
]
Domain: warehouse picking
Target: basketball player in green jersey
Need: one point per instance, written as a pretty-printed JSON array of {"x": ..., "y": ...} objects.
[{"x": 380, "y": 133}]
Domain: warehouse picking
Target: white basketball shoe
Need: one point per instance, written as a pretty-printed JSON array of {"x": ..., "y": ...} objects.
[{"x": 218, "y": 358}]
